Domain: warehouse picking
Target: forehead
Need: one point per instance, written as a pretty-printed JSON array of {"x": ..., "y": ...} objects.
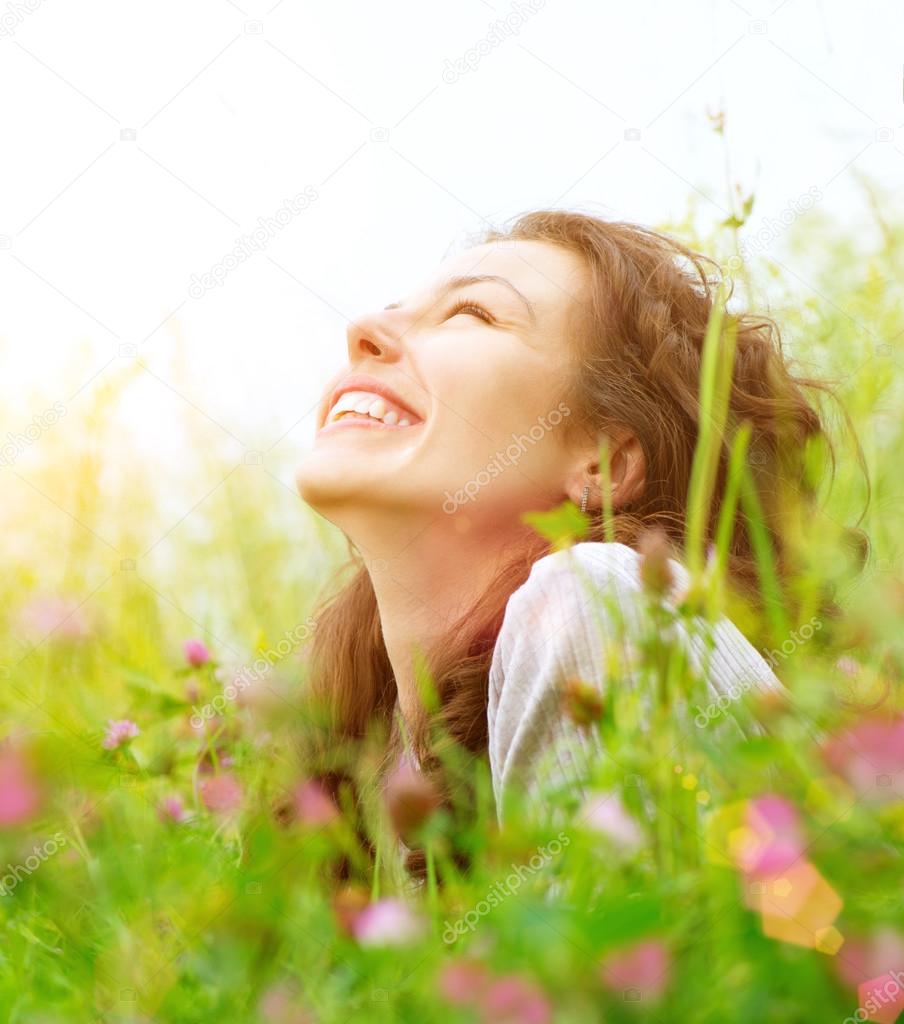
[{"x": 550, "y": 277}]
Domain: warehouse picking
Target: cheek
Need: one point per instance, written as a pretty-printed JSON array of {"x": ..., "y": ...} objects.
[
  {"x": 516, "y": 459},
  {"x": 495, "y": 414}
]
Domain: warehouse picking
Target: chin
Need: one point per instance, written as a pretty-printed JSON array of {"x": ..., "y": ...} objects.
[
  {"x": 330, "y": 484},
  {"x": 320, "y": 485}
]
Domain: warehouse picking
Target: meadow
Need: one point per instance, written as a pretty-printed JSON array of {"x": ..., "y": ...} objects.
[{"x": 164, "y": 856}]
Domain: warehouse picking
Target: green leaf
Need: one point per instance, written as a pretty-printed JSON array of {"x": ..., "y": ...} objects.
[{"x": 562, "y": 526}]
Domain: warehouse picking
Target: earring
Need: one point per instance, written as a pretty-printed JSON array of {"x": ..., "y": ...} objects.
[{"x": 585, "y": 494}]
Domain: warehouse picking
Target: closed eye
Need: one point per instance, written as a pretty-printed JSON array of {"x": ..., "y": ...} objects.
[{"x": 473, "y": 308}]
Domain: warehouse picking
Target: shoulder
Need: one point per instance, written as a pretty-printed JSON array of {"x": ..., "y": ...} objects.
[
  {"x": 556, "y": 606},
  {"x": 566, "y": 594},
  {"x": 604, "y": 561},
  {"x": 555, "y": 628},
  {"x": 588, "y": 568},
  {"x": 578, "y": 609}
]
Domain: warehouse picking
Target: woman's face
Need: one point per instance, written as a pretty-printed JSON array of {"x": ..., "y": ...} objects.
[{"x": 454, "y": 401}]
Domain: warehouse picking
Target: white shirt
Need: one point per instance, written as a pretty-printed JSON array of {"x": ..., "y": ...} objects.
[{"x": 563, "y": 623}]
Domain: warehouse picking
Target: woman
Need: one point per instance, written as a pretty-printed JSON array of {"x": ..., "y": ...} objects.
[{"x": 485, "y": 393}]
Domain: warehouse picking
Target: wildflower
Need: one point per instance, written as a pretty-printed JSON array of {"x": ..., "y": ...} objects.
[
  {"x": 870, "y": 757},
  {"x": 583, "y": 702},
  {"x": 771, "y": 840},
  {"x": 462, "y": 982},
  {"x": 59, "y": 616},
  {"x": 643, "y": 969},
  {"x": 172, "y": 809},
  {"x": 313, "y": 805},
  {"x": 221, "y": 793},
  {"x": 196, "y": 653},
  {"x": 119, "y": 732},
  {"x": 19, "y": 793},
  {"x": 387, "y": 922},
  {"x": 849, "y": 667},
  {"x": 605, "y": 813},
  {"x": 410, "y": 799},
  {"x": 869, "y": 956},
  {"x": 281, "y": 1005},
  {"x": 514, "y": 1000}
]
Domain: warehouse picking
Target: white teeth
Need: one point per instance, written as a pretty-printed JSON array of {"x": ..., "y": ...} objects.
[{"x": 366, "y": 403}]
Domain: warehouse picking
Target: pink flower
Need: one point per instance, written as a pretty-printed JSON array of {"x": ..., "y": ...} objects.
[
  {"x": 312, "y": 804},
  {"x": 172, "y": 809},
  {"x": 605, "y": 813},
  {"x": 387, "y": 923},
  {"x": 59, "y": 616},
  {"x": 221, "y": 793},
  {"x": 281, "y": 1006},
  {"x": 19, "y": 794},
  {"x": 514, "y": 1000},
  {"x": 196, "y": 653},
  {"x": 462, "y": 982},
  {"x": 411, "y": 798},
  {"x": 773, "y": 842},
  {"x": 643, "y": 968},
  {"x": 870, "y": 757},
  {"x": 867, "y": 957},
  {"x": 119, "y": 732},
  {"x": 848, "y": 666}
]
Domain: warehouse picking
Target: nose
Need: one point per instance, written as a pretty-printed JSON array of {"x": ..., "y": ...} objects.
[{"x": 371, "y": 336}]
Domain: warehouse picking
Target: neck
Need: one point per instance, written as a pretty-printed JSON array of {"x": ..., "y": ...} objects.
[{"x": 425, "y": 578}]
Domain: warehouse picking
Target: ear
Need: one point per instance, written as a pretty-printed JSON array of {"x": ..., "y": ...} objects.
[{"x": 627, "y": 473}]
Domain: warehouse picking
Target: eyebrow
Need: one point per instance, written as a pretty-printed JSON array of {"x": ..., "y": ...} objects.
[{"x": 464, "y": 281}]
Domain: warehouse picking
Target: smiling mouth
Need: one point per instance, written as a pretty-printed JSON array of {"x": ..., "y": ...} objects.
[{"x": 363, "y": 408}]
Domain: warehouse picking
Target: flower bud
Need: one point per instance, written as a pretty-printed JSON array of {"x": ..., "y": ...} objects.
[
  {"x": 411, "y": 798},
  {"x": 655, "y": 571},
  {"x": 583, "y": 702},
  {"x": 347, "y": 905}
]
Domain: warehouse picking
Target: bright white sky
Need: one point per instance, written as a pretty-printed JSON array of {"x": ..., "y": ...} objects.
[{"x": 142, "y": 139}]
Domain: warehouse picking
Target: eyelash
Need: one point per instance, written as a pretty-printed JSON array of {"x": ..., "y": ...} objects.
[{"x": 467, "y": 306}]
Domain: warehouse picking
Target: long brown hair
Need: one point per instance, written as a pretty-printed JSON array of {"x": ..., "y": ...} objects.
[{"x": 639, "y": 341}]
